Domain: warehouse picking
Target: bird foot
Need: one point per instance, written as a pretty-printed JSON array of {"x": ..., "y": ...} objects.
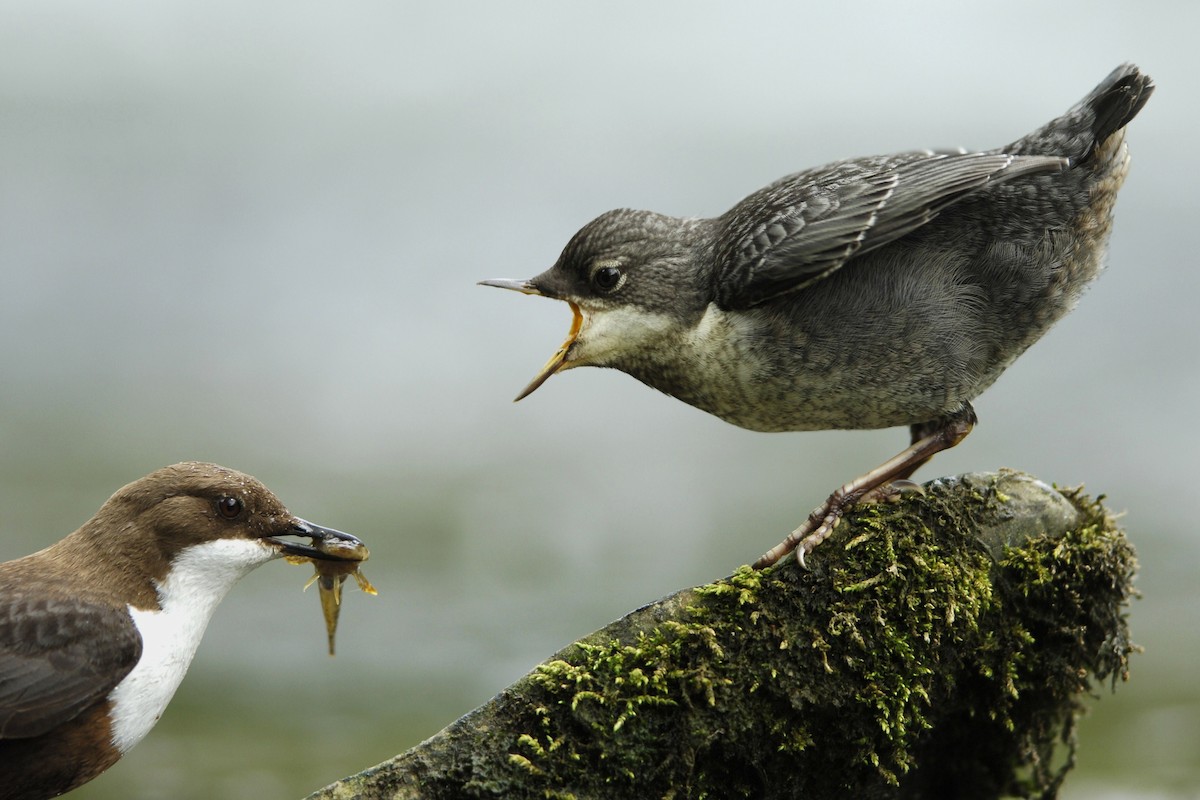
[
  {"x": 892, "y": 492},
  {"x": 823, "y": 532},
  {"x": 887, "y": 482},
  {"x": 831, "y": 514},
  {"x": 814, "y": 530}
]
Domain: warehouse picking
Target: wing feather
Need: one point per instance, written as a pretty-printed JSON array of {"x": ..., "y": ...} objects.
[
  {"x": 800, "y": 229},
  {"x": 58, "y": 656}
]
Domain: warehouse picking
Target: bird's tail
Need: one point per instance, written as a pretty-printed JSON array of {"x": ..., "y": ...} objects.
[{"x": 1088, "y": 125}]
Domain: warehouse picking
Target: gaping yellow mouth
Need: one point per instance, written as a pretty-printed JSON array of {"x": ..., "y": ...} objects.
[{"x": 559, "y": 359}]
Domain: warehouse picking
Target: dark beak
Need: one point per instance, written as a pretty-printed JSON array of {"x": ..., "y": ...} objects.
[
  {"x": 524, "y": 287},
  {"x": 326, "y": 543}
]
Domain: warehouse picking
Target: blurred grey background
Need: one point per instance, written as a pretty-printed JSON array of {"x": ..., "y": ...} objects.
[{"x": 249, "y": 233}]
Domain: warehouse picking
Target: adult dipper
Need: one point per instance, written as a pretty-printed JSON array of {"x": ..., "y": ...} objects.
[
  {"x": 97, "y": 630},
  {"x": 868, "y": 293}
]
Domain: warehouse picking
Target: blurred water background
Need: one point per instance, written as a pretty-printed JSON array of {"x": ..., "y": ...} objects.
[{"x": 249, "y": 233}]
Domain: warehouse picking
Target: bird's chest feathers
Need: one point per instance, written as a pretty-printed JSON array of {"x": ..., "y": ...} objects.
[
  {"x": 724, "y": 347},
  {"x": 711, "y": 364},
  {"x": 199, "y": 578}
]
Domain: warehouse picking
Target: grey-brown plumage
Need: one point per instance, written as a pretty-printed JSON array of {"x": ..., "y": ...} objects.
[{"x": 868, "y": 293}]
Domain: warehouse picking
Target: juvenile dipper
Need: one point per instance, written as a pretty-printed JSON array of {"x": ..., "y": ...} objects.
[
  {"x": 868, "y": 293},
  {"x": 97, "y": 630}
]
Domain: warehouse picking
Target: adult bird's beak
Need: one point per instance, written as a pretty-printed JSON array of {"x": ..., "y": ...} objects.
[
  {"x": 559, "y": 359},
  {"x": 327, "y": 544}
]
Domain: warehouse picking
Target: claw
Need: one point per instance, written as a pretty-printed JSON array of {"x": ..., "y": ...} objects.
[
  {"x": 892, "y": 492},
  {"x": 887, "y": 481}
]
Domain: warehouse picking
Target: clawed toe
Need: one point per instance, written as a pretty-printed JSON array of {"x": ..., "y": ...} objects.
[
  {"x": 810, "y": 542},
  {"x": 887, "y": 482},
  {"x": 812, "y": 532},
  {"x": 892, "y": 492}
]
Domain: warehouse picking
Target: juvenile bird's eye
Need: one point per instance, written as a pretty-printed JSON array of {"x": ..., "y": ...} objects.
[
  {"x": 230, "y": 507},
  {"x": 608, "y": 279}
]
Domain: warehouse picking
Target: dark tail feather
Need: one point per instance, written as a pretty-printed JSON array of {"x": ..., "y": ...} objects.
[
  {"x": 1115, "y": 102},
  {"x": 1080, "y": 132}
]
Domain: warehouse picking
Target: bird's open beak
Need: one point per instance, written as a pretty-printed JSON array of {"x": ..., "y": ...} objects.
[
  {"x": 559, "y": 359},
  {"x": 326, "y": 543}
]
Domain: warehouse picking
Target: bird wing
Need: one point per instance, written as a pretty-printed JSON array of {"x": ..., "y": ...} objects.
[
  {"x": 58, "y": 656},
  {"x": 801, "y": 228}
]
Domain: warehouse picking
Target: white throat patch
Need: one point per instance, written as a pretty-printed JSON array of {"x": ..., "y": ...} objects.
[
  {"x": 199, "y": 579},
  {"x": 608, "y": 335}
]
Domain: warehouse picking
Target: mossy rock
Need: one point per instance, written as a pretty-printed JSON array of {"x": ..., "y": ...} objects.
[{"x": 941, "y": 646}]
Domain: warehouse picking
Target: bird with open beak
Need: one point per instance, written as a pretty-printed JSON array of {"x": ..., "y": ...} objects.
[{"x": 868, "y": 293}]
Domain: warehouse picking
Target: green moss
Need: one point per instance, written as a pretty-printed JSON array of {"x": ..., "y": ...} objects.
[
  {"x": 918, "y": 657},
  {"x": 860, "y": 664}
]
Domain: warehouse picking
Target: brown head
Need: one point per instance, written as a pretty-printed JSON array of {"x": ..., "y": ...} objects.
[{"x": 133, "y": 539}]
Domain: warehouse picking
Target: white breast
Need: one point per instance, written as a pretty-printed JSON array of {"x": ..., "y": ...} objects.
[{"x": 200, "y": 577}]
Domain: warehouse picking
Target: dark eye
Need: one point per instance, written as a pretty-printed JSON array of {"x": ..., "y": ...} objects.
[
  {"x": 230, "y": 507},
  {"x": 607, "y": 279}
]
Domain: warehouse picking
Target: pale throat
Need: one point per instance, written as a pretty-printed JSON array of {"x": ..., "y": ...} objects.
[
  {"x": 608, "y": 336},
  {"x": 199, "y": 578}
]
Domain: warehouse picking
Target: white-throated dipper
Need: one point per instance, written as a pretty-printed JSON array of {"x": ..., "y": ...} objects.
[
  {"x": 97, "y": 630},
  {"x": 868, "y": 293}
]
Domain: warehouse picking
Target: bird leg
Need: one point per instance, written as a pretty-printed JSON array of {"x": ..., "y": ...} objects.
[
  {"x": 901, "y": 485},
  {"x": 929, "y": 438}
]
